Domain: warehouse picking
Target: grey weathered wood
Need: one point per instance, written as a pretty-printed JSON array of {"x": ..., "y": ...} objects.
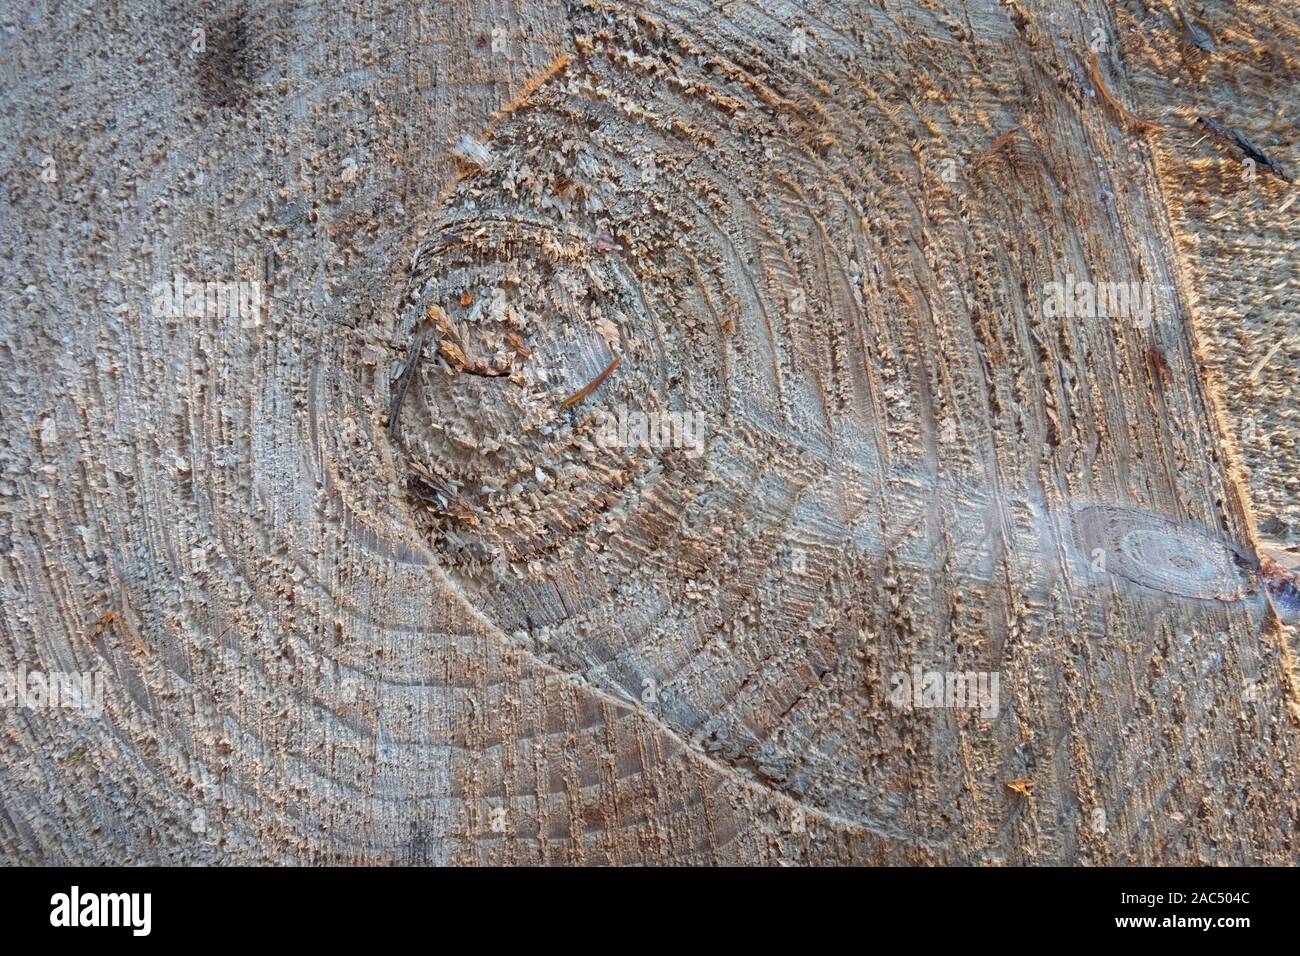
[{"x": 643, "y": 656}]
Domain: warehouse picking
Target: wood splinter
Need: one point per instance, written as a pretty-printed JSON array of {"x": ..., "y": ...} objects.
[
  {"x": 449, "y": 345},
  {"x": 997, "y": 146},
  {"x": 1248, "y": 149},
  {"x": 1137, "y": 122},
  {"x": 440, "y": 496},
  {"x": 591, "y": 386},
  {"x": 1194, "y": 34},
  {"x": 404, "y": 381}
]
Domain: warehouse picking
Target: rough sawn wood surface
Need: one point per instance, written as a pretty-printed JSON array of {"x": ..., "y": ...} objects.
[{"x": 781, "y": 216}]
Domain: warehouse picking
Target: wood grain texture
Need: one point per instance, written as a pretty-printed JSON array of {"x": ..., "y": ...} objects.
[{"x": 473, "y": 631}]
